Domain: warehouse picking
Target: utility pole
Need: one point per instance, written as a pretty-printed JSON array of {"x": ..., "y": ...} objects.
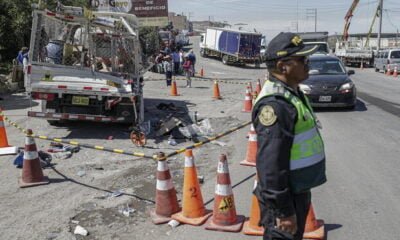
[
  {"x": 380, "y": 23},
  {"x": 312, "y": 13}
]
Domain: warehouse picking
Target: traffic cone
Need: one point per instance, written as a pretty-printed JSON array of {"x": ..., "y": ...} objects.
[
  {"x": 248, "y": 103},
  {"x": 395, "y": 73},
  {"x": 5, "y": 148},
  {"x": 166, "y": 200},
  {"x": 388, "y": 72},
  {"x": 251, "y": 153},
  {"x": 314, "y": 228},
  {"x": 32, "y": 174},
  {"x": 193, "y": 210},
  {"x": 224, "y": 216},
  {"x": 251, "y": 226},
  {"x": 216, "y": 91},
  {"x": 201, "y": 72},
  {"x": 258, "y": 87},
  {"x": 174, "y": 90}
]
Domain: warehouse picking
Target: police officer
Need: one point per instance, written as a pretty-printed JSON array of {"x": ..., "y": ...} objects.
[{"x": 290, "y": 157}]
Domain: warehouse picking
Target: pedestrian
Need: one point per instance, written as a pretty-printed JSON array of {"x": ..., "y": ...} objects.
[
  {"x": 22, "y": 54},
  {"x": 192, "y": 58},
  {"x": 188, "y": 68},
  {"x": 290, "y": 158},
  {"x": 177, "y": 61},
  {"x": 182, "y": 60},
  {"x": 167, "y": 63},
  {"x": 159, "y": 62}
]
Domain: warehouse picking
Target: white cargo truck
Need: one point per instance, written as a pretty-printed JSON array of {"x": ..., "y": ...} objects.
[{"x": 85, "y": 67}]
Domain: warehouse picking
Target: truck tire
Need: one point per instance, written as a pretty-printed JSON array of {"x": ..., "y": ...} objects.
[{"x": 225, "y": 59}]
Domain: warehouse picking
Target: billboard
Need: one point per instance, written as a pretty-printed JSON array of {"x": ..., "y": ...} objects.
[{"x": 149, "y": 12}]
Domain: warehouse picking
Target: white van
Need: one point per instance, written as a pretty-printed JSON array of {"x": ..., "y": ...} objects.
[{"x": 386, "y": 59}]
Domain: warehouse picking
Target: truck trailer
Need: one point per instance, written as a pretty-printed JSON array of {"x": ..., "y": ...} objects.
[{"x": 231, "y": 46}]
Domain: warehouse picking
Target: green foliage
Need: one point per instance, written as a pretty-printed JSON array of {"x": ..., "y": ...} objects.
[{"x": 149, "y": 40}]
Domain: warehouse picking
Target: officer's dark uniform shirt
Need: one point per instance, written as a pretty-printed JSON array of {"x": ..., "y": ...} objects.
[{"x": 273, "y": 155}]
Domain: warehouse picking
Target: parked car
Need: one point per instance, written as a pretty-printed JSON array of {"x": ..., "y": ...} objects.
[
  {"x": 387, "y": 59},
  {"x": 329, "y": 84}
]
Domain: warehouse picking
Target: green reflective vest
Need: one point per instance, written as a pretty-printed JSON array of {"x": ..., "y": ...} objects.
[{"x": 307, "y": 156}]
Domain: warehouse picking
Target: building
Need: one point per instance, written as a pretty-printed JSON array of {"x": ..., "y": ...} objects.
[{"x": 180, "y": 22}]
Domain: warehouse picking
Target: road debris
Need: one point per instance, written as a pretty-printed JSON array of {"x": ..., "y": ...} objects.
[
  {"x": 173, "y": 223},
  {"x": 126, "y": 211},
  {"x": 80, "y": 231}
]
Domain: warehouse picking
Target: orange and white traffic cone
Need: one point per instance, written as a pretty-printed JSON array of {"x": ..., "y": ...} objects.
[
  {"x": 314, "y": 228},
  {"x": 166, "y": 200},
  {"x": 248, "y": 102},
  {"x": 193, "y": 210},
  {"x": 201, "y": 72},
  {"x": 224, "y": 216},
  {"x": 174, "y": 89},
  {"x": 258, "y": 87},
  {"x": 395, "y": 73},
  {"x": 251, "y": 226},
  {"x": 251, "y": 153},
  {"x": 32, "y": 174},
  {"x": 388, "y": 71},
  {"x": 5, "y": 148},
  {"x": 217, "y": 95}
]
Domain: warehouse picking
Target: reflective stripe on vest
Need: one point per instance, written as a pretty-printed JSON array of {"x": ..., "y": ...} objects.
[{"x": 308, "y": 147}]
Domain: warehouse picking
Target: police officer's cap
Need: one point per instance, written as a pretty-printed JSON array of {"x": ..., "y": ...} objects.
[{"x": 287, "y": 44}]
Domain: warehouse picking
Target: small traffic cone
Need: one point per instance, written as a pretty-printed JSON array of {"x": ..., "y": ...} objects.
[
  {"x": 193, "y": 210},
  {"x": 251, "y": 226},
  {"x": 166, "y": 200},
  {"x": 314, "y": 228},
  {"x": 224, "y": 216},
  {"x": 32, "y": 174},
  {"x": 201, "y": 72},
  {"x": 258, "y": 87},
  {"x": 388, "y": 72},
  {"x": 5, "y": 148},
  {"x": 395, "y": 73},
  {"x": 216, "y": 91},
  {"x": 251, "y": 153},
  {"x": 174, "y": 90},
  {"x": 248, "y": 103}
]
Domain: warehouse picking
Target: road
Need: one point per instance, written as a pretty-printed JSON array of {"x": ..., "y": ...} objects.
[{"x": 359, "y": 201}]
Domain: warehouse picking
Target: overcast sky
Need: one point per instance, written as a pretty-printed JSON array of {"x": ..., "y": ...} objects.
[{"x": 271, "y": 16}]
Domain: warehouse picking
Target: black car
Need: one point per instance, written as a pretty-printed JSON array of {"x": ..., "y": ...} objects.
[{"x": 329, "y": 84}]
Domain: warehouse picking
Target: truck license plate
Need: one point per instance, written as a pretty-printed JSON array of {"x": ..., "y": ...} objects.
[
  {"x": 325, "y": 98},
  {"x": 78, "y": 100}
]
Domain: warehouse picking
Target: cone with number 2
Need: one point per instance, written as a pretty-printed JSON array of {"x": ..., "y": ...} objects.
[
  {"x": 193, "y": 210},
  {"x": 224, "y": 216}
]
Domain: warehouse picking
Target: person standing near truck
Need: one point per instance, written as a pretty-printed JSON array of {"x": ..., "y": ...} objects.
[{"x": 290, "y": 157}]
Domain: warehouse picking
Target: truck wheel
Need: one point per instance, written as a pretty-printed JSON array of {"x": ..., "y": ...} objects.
[{"x": 225, "y": 59}]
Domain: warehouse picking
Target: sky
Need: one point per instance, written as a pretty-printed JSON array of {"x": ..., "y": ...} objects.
[{"x": 271, "y": 17}]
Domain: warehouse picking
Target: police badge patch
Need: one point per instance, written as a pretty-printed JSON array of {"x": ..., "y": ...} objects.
[{"x": 267, "y": 116}]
